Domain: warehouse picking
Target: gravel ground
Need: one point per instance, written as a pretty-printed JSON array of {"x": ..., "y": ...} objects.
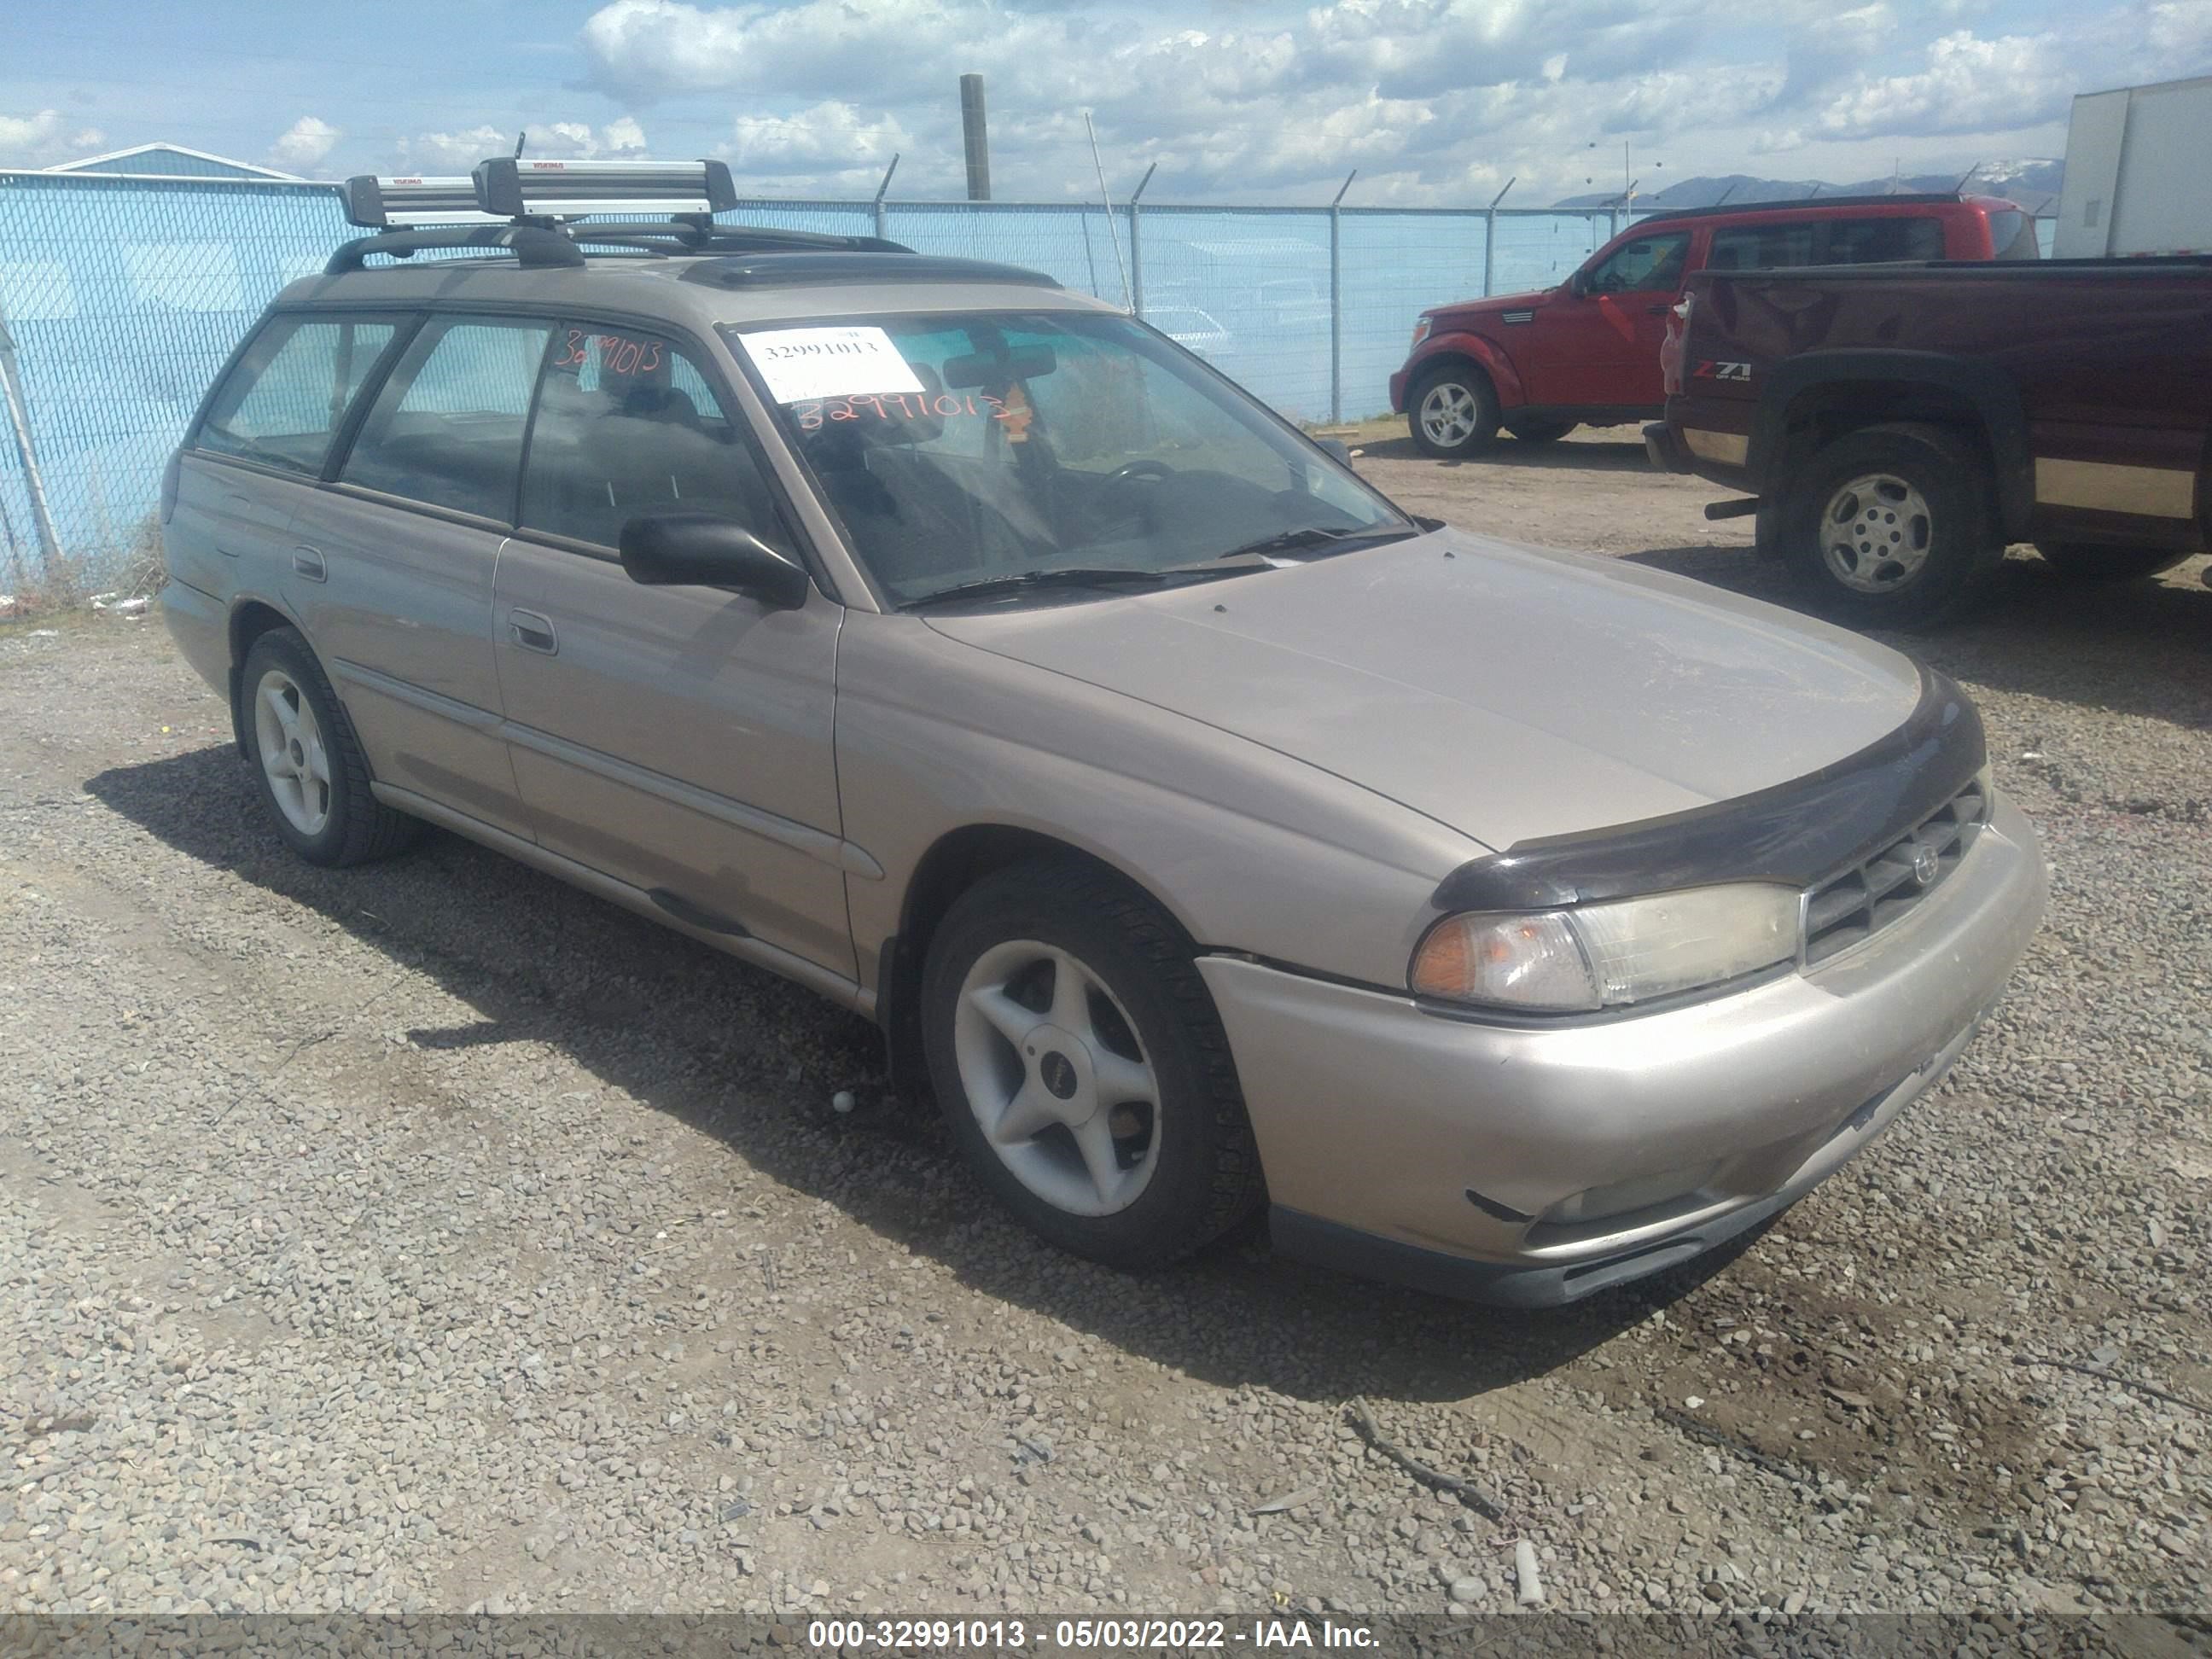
[{"x": 434, "y": 1236}]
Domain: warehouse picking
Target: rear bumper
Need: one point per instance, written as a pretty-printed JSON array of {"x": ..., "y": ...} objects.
[
  {"x": 1661, "y": 449},
  {"x": 1533, "y": 1163},
  {"x": 201, "y": 627}
]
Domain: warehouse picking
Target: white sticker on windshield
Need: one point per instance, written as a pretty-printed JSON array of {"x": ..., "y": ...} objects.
[{"x": 803, "y": 363}]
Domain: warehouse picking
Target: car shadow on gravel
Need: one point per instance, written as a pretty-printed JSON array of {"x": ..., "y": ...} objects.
[
  {"x": 2135, "y": 648},
  {"x": 752, "y": 1059},
  {"x": 1601, "y": 455}
]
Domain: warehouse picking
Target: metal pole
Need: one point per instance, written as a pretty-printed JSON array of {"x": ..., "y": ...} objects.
[
  {"x": 976, "y": 135},
  {"x": 1136, "y": 246},
  {"x": 1106, "y": 202},
  {"x": 881, "y": 190},
  {"x": 1490, "y": 238},
  {"x": 19, "y": 418},
  {"x": 1336, "y": 302}
]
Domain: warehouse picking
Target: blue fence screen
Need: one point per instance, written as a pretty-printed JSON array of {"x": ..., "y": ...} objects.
[{"x": 122, "y": 296}]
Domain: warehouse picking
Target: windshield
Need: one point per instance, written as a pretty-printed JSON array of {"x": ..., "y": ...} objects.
[{"x": 968, "y": 448}]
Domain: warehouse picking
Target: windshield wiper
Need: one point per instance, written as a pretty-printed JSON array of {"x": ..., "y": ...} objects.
[
  {"x": 1290, "y": 541},
  {"x": 1022, "y": 581}
]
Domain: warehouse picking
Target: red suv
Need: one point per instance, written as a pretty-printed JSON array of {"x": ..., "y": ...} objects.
[{"x": 1587, "y": 353}]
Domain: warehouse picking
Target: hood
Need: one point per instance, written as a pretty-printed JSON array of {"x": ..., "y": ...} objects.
[
  {"x": 1459, "y": 315},
  {"x": 1506, "y": 692}
]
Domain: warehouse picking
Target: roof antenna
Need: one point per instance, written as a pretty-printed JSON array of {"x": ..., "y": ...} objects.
[{"x": 520, "y": 139}]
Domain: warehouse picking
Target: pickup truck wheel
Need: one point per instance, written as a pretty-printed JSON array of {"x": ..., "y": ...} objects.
[
  {"x": 1540, "y": 432},
  {"x": 2091, "y": 562},
  {"x": 1891, "y": 526},
  {"x": 1079, "y": 1061},
  {"x": 1453, "y": 412},
  {"x": 313, "y": 777}
]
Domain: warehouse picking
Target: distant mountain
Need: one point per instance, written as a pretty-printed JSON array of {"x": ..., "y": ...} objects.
[{"x": 2032, "y": 183}]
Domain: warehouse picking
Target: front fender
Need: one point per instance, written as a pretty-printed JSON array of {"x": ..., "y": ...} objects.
[
  {"x": 1251, "y": 851},
  {"x": 1486, "y": 354}
]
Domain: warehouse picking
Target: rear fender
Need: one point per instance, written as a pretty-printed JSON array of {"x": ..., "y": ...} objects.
[{"x": 1797, "y": 385}]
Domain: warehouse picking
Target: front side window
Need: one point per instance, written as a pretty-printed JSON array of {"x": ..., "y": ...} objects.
[
  {"x": 291, "y": 389},
  {"x": 964, "y": 448},
  {"x": 446, "y": 428},
  {"x": 627, "y": 425},
  {"x": 1643, "y": 264}
]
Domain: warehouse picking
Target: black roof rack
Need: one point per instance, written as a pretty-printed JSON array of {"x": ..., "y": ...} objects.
[
  {"x": 1785, "y": 205},
  {"x": 532, "y": 245},
  {"x": 776, "y": 270}
]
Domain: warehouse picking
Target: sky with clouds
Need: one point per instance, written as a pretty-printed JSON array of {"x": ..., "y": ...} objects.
[{"x": 1437, "y": 101}]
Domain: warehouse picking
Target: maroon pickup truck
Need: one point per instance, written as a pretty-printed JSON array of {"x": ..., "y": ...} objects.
[{"x": 1895, "y": 427}]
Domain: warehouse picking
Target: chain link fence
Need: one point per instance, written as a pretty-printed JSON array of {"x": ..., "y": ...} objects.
[{"x": 120, "y": 298}]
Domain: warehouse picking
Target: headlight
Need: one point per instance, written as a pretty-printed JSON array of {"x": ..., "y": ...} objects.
[
  {"x": 1421, "y": 326},
  {"x": 1603, "y": 956}
]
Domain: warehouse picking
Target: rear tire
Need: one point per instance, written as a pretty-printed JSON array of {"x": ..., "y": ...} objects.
[
  {"x": 307, "y": 760},
  {"x": 1452, "y": 412},
  {"x": 1891, "y": 526},
  {"x": 2092, "y": 562},
  {"x": 1078, "y": 1058}
]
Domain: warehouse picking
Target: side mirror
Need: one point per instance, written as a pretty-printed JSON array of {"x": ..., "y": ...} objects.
[
  {"x": 1578, "y": 285},
  {"x": 699, "y": 550},
  {"x": 1337, "y": 448}
]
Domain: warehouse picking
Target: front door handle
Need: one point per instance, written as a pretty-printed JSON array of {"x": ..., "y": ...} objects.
[
  {"x": 533, "y": 632},
  {"x": 1657, "y": 311},
  {"x": 309, "y": 563}
]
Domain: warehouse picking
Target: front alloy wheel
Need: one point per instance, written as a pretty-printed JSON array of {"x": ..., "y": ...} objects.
[
  {"x": 1082, "y": 1068},
  {"x": 1056, "y": 1079},
  {"x": 1453, "y": 413}
]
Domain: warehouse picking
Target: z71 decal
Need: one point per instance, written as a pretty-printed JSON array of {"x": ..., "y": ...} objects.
[{"x": 1719, "y": 371}]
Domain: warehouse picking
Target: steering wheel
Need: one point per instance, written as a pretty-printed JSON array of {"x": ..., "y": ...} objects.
[{"x": 1106, "y": 505}]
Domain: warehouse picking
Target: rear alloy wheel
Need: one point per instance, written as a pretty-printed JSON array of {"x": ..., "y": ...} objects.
[
  {"x": 1453, "y": 412},
  {"x": 1891, "y": 526},
  {"x": 2092, "y": 562},
  {"x": 1080, "y": 1063},
  {"x": 313, "y": 777}
]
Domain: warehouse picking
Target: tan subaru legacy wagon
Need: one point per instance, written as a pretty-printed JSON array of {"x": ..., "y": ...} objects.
[{"x": 1205, "y": 833}]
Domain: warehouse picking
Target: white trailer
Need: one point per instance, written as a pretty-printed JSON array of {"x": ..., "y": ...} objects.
[{"x": 2138, "y": 173}]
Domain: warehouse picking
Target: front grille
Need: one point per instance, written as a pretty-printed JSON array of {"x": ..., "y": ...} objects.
[{"x": 1852, "y": 907}]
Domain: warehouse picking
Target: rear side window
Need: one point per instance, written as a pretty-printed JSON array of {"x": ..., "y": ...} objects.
[
  {"x": 627, "y": 425},
  {"x": 446, "y": 428},
  {"x": 1881, "y": 242},
  {"x": 290, "y": 391},
  {"x": 1763, "y": 247}
]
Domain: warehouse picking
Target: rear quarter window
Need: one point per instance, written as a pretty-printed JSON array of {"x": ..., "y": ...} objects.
[{"x": 289, "y": 392}]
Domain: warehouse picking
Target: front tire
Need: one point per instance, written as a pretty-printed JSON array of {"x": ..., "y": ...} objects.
[
  {"x": 313, "y": 778},
  {"x": 2091, "y": 562},
  {"x": 1078, "y": 1058},
  {"x": 1452, "y": 412},
  {"x": 1891, "y": 526}
]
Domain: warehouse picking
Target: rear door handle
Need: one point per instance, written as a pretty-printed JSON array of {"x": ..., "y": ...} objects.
[
  {"x": 309, "y": 563},
  {"x": 533, "y": 632}
]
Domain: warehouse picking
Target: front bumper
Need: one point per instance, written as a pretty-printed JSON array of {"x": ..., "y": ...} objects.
[
  {"x": 1398, "y": 390},
  {"x": 1533, "y": 1163}
]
